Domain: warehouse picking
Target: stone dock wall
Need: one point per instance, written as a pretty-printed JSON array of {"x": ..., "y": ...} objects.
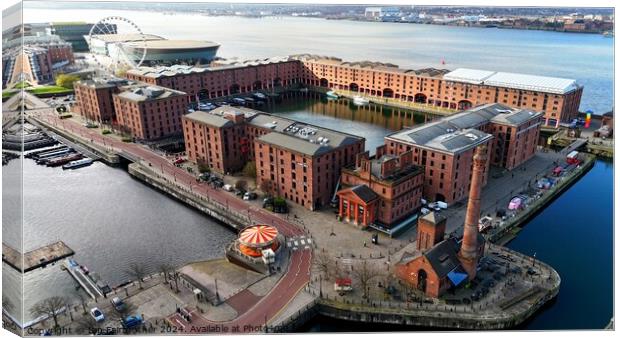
[
  {"x": 400, "y": 314},
  {"x": 106, "y": 156},
  {"x": 226, "y": 216},
  {"x": 504, "y": 235}
]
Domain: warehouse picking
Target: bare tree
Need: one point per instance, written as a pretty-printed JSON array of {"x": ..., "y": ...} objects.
[
  {"x": 364, "y": 273},
  {"x": 137, "y": 272},
  {"x": 48, "y": 307},
  {"x": 266, "y": 186},
  {"x": 82, "y": 302},
  {"x": 241, "y": 184},
  {"x": 165, "y": 268},
  {"x": 324, "y": 264},
  {"x": 176, "y": 277},
  {"x": 249, "y": 169},
  {"x": 84, "y": 325}
]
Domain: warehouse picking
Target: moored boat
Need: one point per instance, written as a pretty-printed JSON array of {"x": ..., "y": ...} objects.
[
  {"x": 62, "y": 160},
  {"x": 332, "y": 94},
  {"x": 360, "y": 101},
  {"x": 78, "y": 164}
]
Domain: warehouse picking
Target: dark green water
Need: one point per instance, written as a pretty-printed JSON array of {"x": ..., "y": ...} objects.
[{"x": 574, "y": 234}]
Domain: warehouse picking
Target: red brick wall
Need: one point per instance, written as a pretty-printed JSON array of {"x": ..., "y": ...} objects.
[
  {"x": 444, "y": 174},
  {"x": 96, "y": 103},
  {"x": 397, "y": 201},
  {"x": 311, "y": 181},
  {"x": 151, "y": 119},
  {"x": 409, "y": 274}
]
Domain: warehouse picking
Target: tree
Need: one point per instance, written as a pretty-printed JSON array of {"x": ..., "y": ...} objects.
[
  {"x": 364, "y": 273},
  {"x": 66, "y": 81},
  {"x": 165, "y": 269},
  {"x": 241, "y": 185},
  {"x": 176, "y": 277},
  {"x": 137, "y": 272},
  {"x": 266, "y": 186},
  {"x": 249, "y": 169},
  {"x": 84, "y": 325},
  {"x": 48, "y": 307},
  {"x": 203, "y": 167},
  {"x": 82, "y": 302},
  {"x": 324, "y": 264}
]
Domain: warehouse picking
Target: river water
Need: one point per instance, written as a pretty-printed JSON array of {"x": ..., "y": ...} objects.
[
  {"x": 588, "y": 58},
  {"x": 111, "y": 220}
]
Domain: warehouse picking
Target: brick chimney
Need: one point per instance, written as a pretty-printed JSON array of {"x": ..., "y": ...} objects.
[{"x": 468, "y": 255}]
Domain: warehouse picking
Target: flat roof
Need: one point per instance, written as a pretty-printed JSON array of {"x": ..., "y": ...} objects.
[
  {"x": 156, "y": 72},
  {"x": 173, "y": 44},
  {"x": 126, "y": 37},
  {"x": 458, "y": 132},
  {"x": 103, "y": 82},
  {"x": 144, "y": 92},
  {"x": 554, "y": 85},
  {"x": 294, "y": 143},
  {"x": 295, "y": 135},
  {"x": 208, "y": 118}
]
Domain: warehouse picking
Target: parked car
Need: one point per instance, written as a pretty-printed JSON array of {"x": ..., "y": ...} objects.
[
  {"x": 239, "y": 192},
  {"x": 131, "y": 321},
  {"x": 97, "y": 314},
  {"x": 228, "y": 187},
  {"x": 179, "y": 160},
  {"x": 118, "y": 304},
  {"x": 204, "y": 176},
  {"x": 250, "y": 196}
]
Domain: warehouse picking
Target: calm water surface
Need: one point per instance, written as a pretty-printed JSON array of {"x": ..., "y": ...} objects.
[{"x": 110, "y": 220}]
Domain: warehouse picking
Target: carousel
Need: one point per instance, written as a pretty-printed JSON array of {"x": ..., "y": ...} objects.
[{"x": 256, "y": 238}]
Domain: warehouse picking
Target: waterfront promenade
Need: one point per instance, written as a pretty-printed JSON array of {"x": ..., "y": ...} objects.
[{"x": 295, "y": 277}]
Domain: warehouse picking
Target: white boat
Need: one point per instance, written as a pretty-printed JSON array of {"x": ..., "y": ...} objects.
[
  {"x": 332, "y": 94},
  {"x": 358, "y": 100},
  {"x": 78, "y": 163}
]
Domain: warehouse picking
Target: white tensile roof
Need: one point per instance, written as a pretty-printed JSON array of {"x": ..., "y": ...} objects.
[{"x": 546, "y": 84}]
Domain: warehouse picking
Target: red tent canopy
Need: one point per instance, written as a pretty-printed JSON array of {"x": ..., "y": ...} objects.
[{"x": 258, "y": 235}]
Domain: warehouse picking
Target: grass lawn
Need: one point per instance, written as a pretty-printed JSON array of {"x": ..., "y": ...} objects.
[
  {"x": 8, "y": 93},
  {"x": 49, "y": 90}
]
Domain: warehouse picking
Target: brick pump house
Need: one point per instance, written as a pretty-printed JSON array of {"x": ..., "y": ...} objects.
[{"x": 439, "y": 264}]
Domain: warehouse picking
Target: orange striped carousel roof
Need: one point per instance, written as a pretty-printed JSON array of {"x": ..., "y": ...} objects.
[{"x": 258, "y": 235}]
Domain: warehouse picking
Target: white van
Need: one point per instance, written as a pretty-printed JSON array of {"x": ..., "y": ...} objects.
[{"x": 228, "y": 187}]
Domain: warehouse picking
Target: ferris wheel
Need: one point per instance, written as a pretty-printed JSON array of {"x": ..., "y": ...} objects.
[{"x": 116, "y": 44}]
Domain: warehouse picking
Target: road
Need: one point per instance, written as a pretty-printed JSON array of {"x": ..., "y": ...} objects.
[
  {"x": 294, "y": 279},
  {"x": 256, "y": 318}
]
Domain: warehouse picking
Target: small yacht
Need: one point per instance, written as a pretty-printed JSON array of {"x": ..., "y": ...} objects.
[{"x": 78, "y": 164}]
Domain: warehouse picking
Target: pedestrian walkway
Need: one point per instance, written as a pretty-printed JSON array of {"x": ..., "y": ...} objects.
[{"x": 299, "y": 242}]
